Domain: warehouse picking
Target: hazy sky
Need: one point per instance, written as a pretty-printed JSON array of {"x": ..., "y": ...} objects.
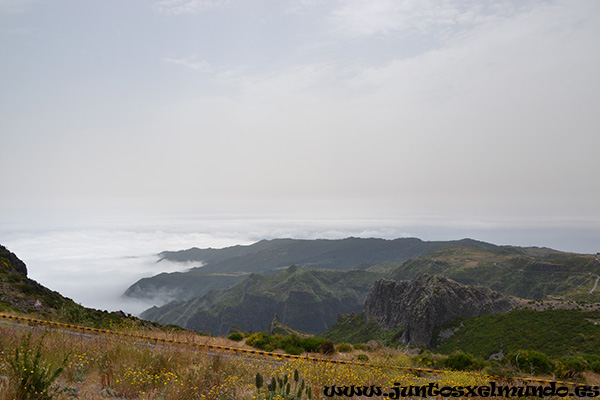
[{"x": 481, "y": 112}]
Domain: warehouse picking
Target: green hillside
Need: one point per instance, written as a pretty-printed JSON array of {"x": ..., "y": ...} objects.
[
  {"x": 226, "y": 267},
  {"x": 306, "y": 300},
  {"x": 523, "y": 272},
  {"x": 557, "y": 333}
]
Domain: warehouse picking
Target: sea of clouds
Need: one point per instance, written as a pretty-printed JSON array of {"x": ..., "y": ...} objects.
[{"x": 94, "y": 262}]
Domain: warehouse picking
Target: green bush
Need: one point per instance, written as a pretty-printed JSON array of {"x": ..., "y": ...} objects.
[
  {"x": 460, "y": 361},
  {"x": 531, "y": 361},
  {"x": 293, "y": 350},
  {"x": 344, "y": 348},
  {"x": 236, "y": 336},
  {"x": 312, "y": 344},
  {"x": 261, "y": 340},
  {"x": 362, "y": 357},
  {"x": 424, "y": 360},
  {"x": 595, "y": 366},
  {"x": 34, "y": 376},
  {"x": 570, "y": 367}
]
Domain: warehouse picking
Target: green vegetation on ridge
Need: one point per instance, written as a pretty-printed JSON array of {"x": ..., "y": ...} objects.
[
  {"x": 304, "y": 299},
  {"x": 353, "y": 328},
  {"x": 523, "y": 272},
  {"x": 556, "y": 333}
]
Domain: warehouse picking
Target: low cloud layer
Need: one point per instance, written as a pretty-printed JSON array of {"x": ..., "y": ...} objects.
[{"x": 95, "y": 266}]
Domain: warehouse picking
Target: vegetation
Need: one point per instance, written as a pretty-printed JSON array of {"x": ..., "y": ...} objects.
[
  {"x": 290, "y": 344},
  {"x": 523, "y": 272},
  {"x": 557, "y": 333},
  {"x": 33, "y": 374},
  {"x": 355, "y": 329},
  {"x": 118, "y": 367},
  {"x": 236, "y": 336},
  {"x": 228, "y": 266},
  {"x": 305, "y": 300},
  {"x": 285, "y": 388}
]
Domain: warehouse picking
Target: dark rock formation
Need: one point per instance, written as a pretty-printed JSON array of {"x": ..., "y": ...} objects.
[
  {"x": 427, "y": 303},
  {"x": 9, "y": 261}
]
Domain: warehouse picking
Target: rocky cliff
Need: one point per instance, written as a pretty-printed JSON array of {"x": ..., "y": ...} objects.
[
  {"x": 427, "y": 303},
  {"x": 11, "y": 263}
]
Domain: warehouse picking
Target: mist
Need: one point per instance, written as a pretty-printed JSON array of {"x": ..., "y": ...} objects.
[{"x": 95, "y": 261}]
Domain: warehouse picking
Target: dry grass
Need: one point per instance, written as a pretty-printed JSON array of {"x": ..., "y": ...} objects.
[{"x": 109, "y": 366}]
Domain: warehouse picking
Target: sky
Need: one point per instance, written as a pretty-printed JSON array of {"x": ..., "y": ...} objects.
[{"x": 438, "y": 119}]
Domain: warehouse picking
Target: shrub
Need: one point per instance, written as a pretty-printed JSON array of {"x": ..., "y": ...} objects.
[
  {"x": 312, "y": 344},
  {"x": 263, "y": 341},
  {"x": 236, "y": 336},
  {"x": 328, "y": 347},
  {"x": 344, "y": 347},
  {"x": 33, "y": 375},
  {"x": 424, "y": 360},
  {"x": 460, "y": 361},
  {"x": 362, "y": 357},
  {"x": 293, "y": 350},
  {"x": 531, "y": 361},
  {"x": 258, "y": 380},
  {"x": 570, "y": 367},
  {"x": 595, "y": 366}
]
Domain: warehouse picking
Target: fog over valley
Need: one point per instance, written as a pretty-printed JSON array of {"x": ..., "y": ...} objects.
[{"x": 95, "y": 266}]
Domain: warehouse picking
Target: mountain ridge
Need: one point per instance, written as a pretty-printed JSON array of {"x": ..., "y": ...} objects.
[
  {"x": 228, "y": 266},
  {"x": 308, "y": 300}
]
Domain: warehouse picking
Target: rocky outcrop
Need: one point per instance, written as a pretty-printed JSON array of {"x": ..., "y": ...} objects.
[
  {"x": 427, "y": 303},
  {"x": 11, "y": 263}
]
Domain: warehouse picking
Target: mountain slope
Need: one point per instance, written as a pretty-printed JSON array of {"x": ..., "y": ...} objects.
[
  {"x": 523, "y": 272},
  {"x": 557, "y": 333},
  {"x": 231, "y": 265},
  {"x": 19, "y": 294},
  {"x": 306, "y": 300}
]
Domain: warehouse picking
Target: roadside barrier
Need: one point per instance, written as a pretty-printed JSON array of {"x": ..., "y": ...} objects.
[{"x": 262, "y": 352}]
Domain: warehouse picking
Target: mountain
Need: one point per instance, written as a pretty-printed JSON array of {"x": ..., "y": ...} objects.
[
  {"x": 228, "y": 266},
  {"x": 308, "y": 300},
  {"x": 428, "y": 302},
  {"x": 20, "y": 294},
  {"x": 530, "y": 273}
]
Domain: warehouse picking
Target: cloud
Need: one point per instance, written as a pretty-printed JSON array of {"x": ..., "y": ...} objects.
[
  {"x": 16, "y": 6},
  {"x": 95, "y": 261},
  {"x": 178, "y": 7},
  {"x": 385, "y": 17},
  {"x": 192, "y": 63}
]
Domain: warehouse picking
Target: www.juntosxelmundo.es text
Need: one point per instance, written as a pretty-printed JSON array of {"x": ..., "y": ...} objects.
[{"x": 434, "y": 390}]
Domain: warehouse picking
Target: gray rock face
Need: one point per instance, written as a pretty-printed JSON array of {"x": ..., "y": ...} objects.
[
  {"x": 428, "y": 302},
  {"x": 11, "y": 262}
]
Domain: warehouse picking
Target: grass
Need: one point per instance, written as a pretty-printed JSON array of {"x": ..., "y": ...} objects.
[
  {"x": 355, "y": 329},
  {"x": 101, "y": 366}
]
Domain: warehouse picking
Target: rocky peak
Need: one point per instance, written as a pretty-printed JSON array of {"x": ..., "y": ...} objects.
[
  {"x": 427, "y": 303},
  {"x": 10, "y": 262}
]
